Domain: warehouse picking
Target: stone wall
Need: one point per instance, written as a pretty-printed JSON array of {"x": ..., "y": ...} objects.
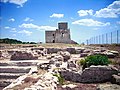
[
  {"x": 60, "y": 35},
  {"x": 93, "y": 74},
  {"x": 50, "y": 36}
]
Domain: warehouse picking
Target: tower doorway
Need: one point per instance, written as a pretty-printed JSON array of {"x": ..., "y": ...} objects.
[{"x": 53, "y": 41}]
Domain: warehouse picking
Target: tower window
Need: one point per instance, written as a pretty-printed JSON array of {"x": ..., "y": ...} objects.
[
  {"x": 53, "y": 34},
  {"x": 62, "y": 34}
]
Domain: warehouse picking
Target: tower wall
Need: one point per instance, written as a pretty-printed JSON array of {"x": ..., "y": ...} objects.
[
  {"x": 50, "y": 36},
  {"x": 63, "y": 26},
  {"x": 61, "y": 35}
]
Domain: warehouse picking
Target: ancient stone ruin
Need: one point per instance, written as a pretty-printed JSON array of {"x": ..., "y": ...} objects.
[
  {"x": 61, "y": 35},
  {"x": 37, "y": 66}
]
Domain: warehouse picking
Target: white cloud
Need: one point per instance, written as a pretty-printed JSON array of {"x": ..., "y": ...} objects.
[
  {"x": 95, "y": 28},
  {"x": 28, "y": 19},
  {"x": 118, "y": 22},
  {"x": 28, "y": 33},
  {"x": 90, "y": 22},
  {"x": 33, "y": 26},
  {"x": 71, "y": 18},
  {"x": 14, "y": 34},
  {"x": 7, "y": 27},
  {"x": 55, "y": 15},
  {"x": 11, "y": 20},
  {"x": 111, "y": 11},
  {"x": 85, "y": 12},
  {"x": 13, "y": 30},
  {"x": 18, "y": 2}
]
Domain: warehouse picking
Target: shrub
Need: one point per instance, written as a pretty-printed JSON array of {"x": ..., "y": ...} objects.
[
  {"x": 81, "y": 62},
  {"x": 94, "y": 60},
  {"x": 60, "y": 78}
]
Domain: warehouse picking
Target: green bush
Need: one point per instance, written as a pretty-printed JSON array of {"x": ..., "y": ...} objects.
[
  {"x": 94, "y": 60},
  {"x": 60, "y": 78},
  {"x": 82, "y": 62}
]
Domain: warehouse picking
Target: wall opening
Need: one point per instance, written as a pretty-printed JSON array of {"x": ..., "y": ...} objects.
[
  {"x": 53, "y": 41},
  {"x": 53, "y": 34},
  {"x": 62, "y": 34}
]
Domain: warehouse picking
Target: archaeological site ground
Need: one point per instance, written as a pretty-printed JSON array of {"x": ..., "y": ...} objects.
[{"x": 57, "y": 66}]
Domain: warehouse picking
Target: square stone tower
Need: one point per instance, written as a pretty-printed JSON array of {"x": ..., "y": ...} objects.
[
  {"x": 60, "y": 35},
  {"x": 63, "y": 26}
]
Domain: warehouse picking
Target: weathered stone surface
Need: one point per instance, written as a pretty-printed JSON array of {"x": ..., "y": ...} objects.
[
  {"x": 86, "y": 51},
  {"x": 4, "y": 54},
  {"x": 14, "y": 70},
  {"x": 58, "y": 58},
  {"x": 11, "y": 51},
  {"x": 97, "y": 74},
  {"x": 78, "y": 87},
  {"x": 115, "y": 52},
  {"x": 66, "y": 55},
  {"x": 71, "y": 50},
  {"x": 71, "y": 65},
  {"x": 79, "y": 50},
  {"x": 70, "y": 75},
  {"x": 110, "y": 55},
  {"x": 46, "y": 82},
  {"x": 108, "y": 87},
  {"x": 93, "y": 74},
  {"x": 5, "y": 82},
  {"x": 16, "y": 82},
  {"x": 41, "y": 51},
  {"x": 53, "y": 50},
  {"x": 45, "y": 66},
  {"x": 10, "y": 75},
  {"x": 83, "y": 54},
  {"x": 23, "y": 55},
  {"x": 116, "y": 79},
  {"x": 38, "y": 48}
]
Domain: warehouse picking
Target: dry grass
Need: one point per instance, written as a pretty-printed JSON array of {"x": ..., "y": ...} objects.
[
  {"x": 47, "y": 45},
  {"x": 41, "y": 72}
]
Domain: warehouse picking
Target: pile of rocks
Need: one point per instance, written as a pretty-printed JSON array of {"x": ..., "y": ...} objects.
[
  {"x": 41, "y": 51},
  {"x": 57, "y": 60},
  {"x": 92, "y": 51},
  {"x": 4, "y": 54},
  {"x": 42, "y": 82},
  {"x": 35, "y": 52},
  {"x": 108, "y": 87},
  {"x": 66, "y": 55},
  {"x": 46, "y": 82},
  {"x": 116, "y": 79}
]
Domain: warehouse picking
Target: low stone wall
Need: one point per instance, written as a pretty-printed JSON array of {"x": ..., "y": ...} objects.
[
  {"x": 14, "y": 70},
  {"x": 23, "y": 55},
  {"x": 93, "y": 74}
]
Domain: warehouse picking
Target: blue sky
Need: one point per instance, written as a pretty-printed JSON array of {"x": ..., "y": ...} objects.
[{"x": 27, "y": 20}]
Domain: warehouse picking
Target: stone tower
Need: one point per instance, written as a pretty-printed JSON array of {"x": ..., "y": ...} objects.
[{"x": 60, "y": 35}]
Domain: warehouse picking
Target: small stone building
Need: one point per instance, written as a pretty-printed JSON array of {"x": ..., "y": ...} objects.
[{"x": 60, "y": 35}]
